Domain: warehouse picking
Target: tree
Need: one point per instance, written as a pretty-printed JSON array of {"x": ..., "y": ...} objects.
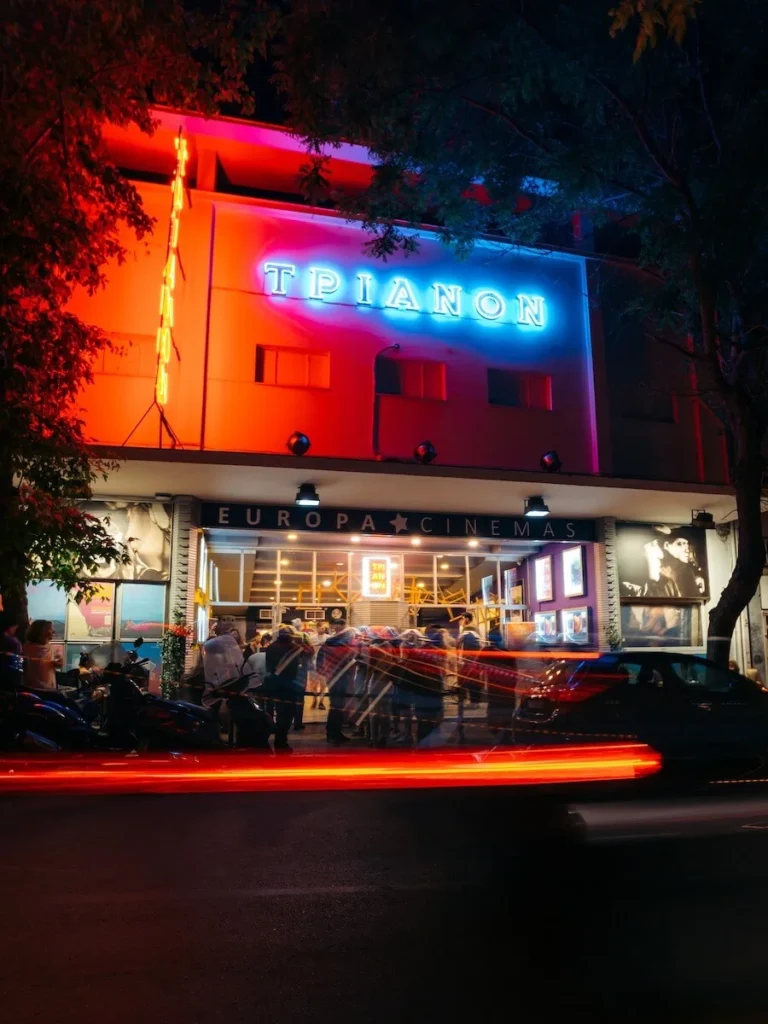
[
  {"x": 467, "y": 107},
  {"x": 66, "y": 69}
]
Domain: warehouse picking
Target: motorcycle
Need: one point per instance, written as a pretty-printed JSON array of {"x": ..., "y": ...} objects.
[
  {"x": 251, "y": 726},
  {"x": 37, "y": 718},
  {"x": 138, "y": 720}
]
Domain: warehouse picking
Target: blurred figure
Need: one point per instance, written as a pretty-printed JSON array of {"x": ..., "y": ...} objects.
[
  {"x": 469, "y": 644},
  {"x": 40, "y": 659},
  {"x": 11, "y": 665},
  {"x": 285, "y": 680},
  {"x": 734, "y": 666},
  {"x": 337, "y": 662},
  {"x": 383, "y": 655},
  {"x": 266, "y": 640}
]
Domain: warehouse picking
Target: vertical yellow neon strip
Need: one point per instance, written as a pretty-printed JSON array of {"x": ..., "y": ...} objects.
[{"x": 169, "y": 273}]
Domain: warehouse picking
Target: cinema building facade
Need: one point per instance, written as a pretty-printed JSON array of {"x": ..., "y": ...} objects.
[{"x": 442, "y": 399}]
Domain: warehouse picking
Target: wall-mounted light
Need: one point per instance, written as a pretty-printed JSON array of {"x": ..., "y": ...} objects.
[
  {"x": 535, "y": 507},
  {"x": 703, "y": 519},
  {"x": 424, "y": 453},
  {"x": 298, "y": 443},
  {"x": 550, "y": 462},
  {"x": 307, "y": 495}
]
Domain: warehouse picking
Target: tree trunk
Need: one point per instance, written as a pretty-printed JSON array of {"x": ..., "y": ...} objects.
[{"x": 750, "y": 552}]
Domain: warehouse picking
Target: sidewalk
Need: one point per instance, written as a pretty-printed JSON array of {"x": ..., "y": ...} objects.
[{"x": 312, "y": 739}]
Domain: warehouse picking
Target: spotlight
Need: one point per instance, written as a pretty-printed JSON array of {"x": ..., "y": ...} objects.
[
  {"x": 425, "y": 453},
  {"x": 298, "y": 443},
  {"x": 704, "y": 520},
  {"x": 550, "y": 462},
  {"x": 307, "y": 495},
  {"x": 535, "y": 508}
]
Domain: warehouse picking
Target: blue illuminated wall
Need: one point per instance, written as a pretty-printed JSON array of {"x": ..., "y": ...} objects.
[{"x": 299, "y": 283}]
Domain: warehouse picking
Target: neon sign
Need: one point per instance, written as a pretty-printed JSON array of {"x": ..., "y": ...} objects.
[
  {"x": 325, "y": 284},
  {"x": 165, "y": 330},
  {"x": 377, "y": 577}
]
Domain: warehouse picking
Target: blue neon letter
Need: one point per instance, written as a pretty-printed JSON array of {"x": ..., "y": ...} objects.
[
  {"x": 401, "y": 296},
  {"x": 323, "y": 282},
  {"x": 490, "y": 305},
  {"x": 364, "y": 289},
  {"x": 530, "y": 310},
  {"x": 281, "y": 271},
  {"x": 447, "y": 299}
]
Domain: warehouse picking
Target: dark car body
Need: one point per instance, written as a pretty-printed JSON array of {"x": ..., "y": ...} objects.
[{"x": 685, "y": 707}]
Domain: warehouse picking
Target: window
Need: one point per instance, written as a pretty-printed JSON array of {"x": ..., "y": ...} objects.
[
  {"x": 293, "y": 367},
  {"x": 701, "y": 677},
  {"x": 411, "y": 378},
  {"x": 519, "y": 390},
  {"x": 652, "y": 406}
]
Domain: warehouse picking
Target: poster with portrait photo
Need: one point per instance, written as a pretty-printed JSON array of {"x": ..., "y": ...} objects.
[
  {"x": 662, "y": 563},
  {"x": 144, "y": 527},
  {"x": 542, "y": 570},
  {"x": 546, "y": 627},
  {"x": 661, "y": 626},
  {"x": 575, "y": 623},
  {"x": 573, "y": 572}
]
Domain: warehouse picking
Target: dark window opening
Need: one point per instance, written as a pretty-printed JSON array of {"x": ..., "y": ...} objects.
[{"x": 519, "y": 390}]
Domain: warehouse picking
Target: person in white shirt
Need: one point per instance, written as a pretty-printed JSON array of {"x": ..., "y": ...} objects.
[{"x": 40, "y": 659}]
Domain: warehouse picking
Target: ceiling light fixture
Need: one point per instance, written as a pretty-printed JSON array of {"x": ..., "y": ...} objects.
[
  {"x": 472, "y": 543},
  {"x": 703, "y": 519},
  {"x": 326, "y": 583},
  {"x": 536, "y": 508},
  {"x": 416, "y": 541},
  {"x": 355, "y": 538},
  {"x": 444, "y": 565},
  {"x": 307, "y": 495},
  {"x": 293, "y": 536}
]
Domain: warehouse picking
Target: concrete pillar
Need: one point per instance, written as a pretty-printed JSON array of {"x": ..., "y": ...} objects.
[
  {"x": 184, "y": 563},
  {"x": 608, "y": 624}
]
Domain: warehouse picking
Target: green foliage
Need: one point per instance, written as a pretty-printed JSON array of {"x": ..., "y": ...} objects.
[
  {"x": 174, "y": 649},
  {"x": 66, "y": 68},
  {"x": 466, "y": 107}
]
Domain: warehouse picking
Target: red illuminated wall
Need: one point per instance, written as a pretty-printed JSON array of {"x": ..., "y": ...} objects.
[{"x": 224, "y": 311}]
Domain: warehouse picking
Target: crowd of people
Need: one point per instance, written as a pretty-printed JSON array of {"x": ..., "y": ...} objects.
[{"x": 385, "y": 684}]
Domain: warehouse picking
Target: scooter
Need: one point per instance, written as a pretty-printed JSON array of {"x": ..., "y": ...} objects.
[
  {"x": 28, "y": 715},
  {"x": 252, "y": 726},
  {"x": 137, "y": 720}
]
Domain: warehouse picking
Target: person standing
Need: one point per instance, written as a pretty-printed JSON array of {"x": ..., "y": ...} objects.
[
  {"x": 40, "y": 660},
  {"x": 337, "y": 662},
  {"x": 11, "y": 664},
  {"x": 285, "y": 682}
]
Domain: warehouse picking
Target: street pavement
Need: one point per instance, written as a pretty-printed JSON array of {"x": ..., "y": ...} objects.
[{"x": 377, "y": 906}]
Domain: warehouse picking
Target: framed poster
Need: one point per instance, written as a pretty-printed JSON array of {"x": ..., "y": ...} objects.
[
  {"x": 144, "y": 528},
  {"x": 575, "y": 623},
  {"x": 92, "y": 620},
  {"x": 542, "y": 568},
  {"x": 662, "y": 563},
  {"x": 546, "y": 627},
  {"x": 377, "y": 577},
  {"x": 487, "y": 585},
  {"x": 661, "y": 625},
  {"x": 142, "y": 611},
  {"x": 574, "y": 584}
]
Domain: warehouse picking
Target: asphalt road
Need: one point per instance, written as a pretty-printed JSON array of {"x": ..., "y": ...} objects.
[{"x": 355, "y": 907}]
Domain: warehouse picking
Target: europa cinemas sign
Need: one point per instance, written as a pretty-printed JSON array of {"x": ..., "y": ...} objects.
[{"x": 391, "y": 522}]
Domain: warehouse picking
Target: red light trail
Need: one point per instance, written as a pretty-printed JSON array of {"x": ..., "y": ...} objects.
[{"x": 102, "y": 774}]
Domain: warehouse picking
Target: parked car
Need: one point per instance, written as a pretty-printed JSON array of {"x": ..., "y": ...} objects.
[{"x": 687, "y": 708}]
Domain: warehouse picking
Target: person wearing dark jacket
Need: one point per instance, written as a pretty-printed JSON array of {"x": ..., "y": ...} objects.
[
  {"x": 421, "y": 679},
  {"x": 337, "y": 662},
  {"x": 285, "y": 680}
]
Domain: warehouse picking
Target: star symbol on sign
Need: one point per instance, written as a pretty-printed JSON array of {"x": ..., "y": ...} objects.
[{"x": 400, "y": 523}]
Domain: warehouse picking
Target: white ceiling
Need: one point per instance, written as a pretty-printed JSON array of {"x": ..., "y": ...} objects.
[{"x": 429, "y": 489}]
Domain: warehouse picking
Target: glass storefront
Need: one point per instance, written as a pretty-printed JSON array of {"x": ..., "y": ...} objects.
[{"x": 254, "y": 581}]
